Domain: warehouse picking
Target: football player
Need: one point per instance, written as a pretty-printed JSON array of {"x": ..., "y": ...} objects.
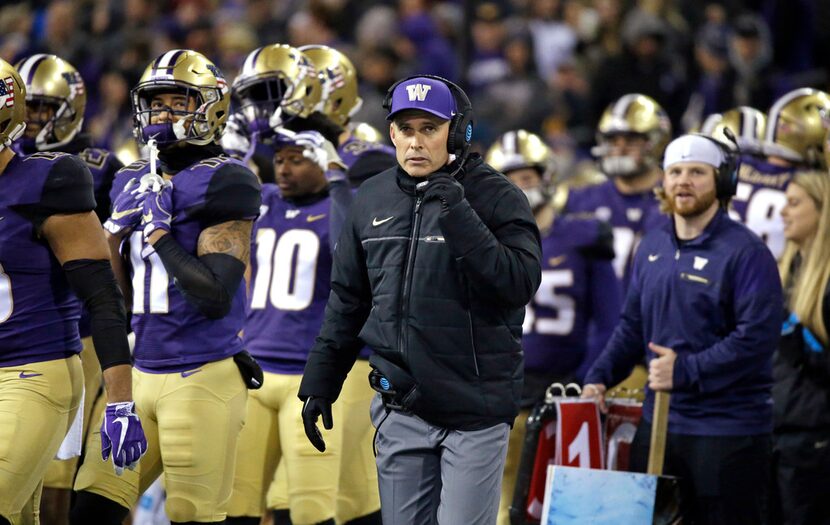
[
  {"x": 578, "y": 286},
  {"x": 55, "y": 104},
  {"x": 632, "y": 134},
  {"x": 289, "y": 287},
  {"x": 184, "y": 229},
  {"x": 277, "y": 82},
  {"x": 52, "y": 243},
  {"x": 793, "y": 139},
  {"x": 359, "y": 145}
]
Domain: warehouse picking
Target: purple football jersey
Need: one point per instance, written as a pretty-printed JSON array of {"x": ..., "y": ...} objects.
[
  {"x": 290, "y": 281},
  {"x": 171, "y": 334},
  {"x": 577, "y": 287},
  {"x": 631, "y": 217},
  {"x": 38, "y": 311},
  {"x": 354, "y": 148},
  {"x": 759, "y": 199}
]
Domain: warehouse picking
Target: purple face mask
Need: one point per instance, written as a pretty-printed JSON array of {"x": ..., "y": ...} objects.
[
  {"x": 27, "y": 145},
  {"x": 164, "y": 134}
]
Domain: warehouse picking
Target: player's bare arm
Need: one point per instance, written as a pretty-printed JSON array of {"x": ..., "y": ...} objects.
[
  {"x": 79, "y": 236},
  {"x": 230, "y": 238}
]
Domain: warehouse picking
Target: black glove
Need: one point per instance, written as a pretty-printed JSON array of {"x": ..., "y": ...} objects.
[
  {"x": 312, "y": 409},
  {"x": 445, "y": 188}
]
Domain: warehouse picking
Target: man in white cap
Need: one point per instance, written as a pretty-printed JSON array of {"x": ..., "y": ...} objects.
[{"x": 704, "y": 305}]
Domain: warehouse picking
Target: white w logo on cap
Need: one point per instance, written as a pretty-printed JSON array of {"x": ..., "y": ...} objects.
[{"x": 417, "y": 92}]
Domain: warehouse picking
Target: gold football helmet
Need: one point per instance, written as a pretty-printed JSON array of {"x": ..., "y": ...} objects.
[
  {"x": 796, "y": 127},
  {"x": 12, "y": 105},
  {"x": 521, "y": 149},
  {"x": 191, "y": 74},
  {"x": 633, "y": 114},
  {"x": 340, "y": 100},
  {"x": 53, "y": 82},
  {"x": 277, "y": 76},
  {"x": 746, "y": 123},
  {"x": 367, "y": 133}
]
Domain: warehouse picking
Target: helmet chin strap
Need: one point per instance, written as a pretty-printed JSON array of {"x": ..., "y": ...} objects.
[{"x": 14, "y": 134}]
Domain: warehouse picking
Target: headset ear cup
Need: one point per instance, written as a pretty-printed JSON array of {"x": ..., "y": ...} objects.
[
  {"x": 452, "y": 138},
  {"x": 728, "y": 177}
]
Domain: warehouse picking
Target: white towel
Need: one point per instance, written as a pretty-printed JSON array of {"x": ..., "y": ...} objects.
[{"x": 71, "y": 446}]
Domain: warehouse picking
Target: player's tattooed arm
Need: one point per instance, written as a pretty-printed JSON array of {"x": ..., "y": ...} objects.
[{"x": 230, "y": 238}]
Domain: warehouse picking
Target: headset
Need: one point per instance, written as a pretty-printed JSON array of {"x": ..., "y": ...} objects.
[
  {"x": 726, "y": 175},
  {"x": 460, "y": 136}
]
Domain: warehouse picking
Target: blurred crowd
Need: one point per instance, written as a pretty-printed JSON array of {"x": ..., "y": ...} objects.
[{"x": 548, "y": 66}]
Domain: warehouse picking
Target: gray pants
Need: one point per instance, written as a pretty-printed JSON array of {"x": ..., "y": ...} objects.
[{"x": 431, "y": 475}]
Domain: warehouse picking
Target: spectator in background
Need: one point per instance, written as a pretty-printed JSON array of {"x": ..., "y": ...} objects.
[
  {"x": 487, "y": 63},
  {"x": 801, "y": 392},
  {"x": 553, "y": 40},
  {"x": 643, "y": 67},
  {"x": 750, "y": 53},
  {"x": 713, "y": 92},
  {"x": 421, "y": 46},
  {"x": 111, "y": 123},
  {"x": 377, "y": 71},
  {"x": 572, "y": 99},
  {"x": 529, "y": 101},
  {"x": 607, "y": 40}
]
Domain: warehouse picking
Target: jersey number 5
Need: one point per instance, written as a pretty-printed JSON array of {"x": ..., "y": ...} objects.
[{"x": 546, "y": 297}]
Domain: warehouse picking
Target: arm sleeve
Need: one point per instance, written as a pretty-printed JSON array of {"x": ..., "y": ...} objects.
[
  {"x": 338, "y": 344},
  {"x": 625, "y": 348},
  {"x": 234, "y": 193},
  {"x": 94, "y": 283},
  {"x": 605, "y": 304},
  {"x": 208, "y": 282},
  {"x": 504, "y": 260},
  {"x": 756, "y": 309}
]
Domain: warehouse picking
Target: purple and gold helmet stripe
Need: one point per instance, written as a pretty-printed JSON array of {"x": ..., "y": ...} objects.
[
  {"x": 167, "y": 62},
  {"x": 250, "y": 61},
  {"x": 29, "y": 67}
]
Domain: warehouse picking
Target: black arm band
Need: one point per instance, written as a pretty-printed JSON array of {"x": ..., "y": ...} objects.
[
  {"x": 208, "y": 283},
  {"x": 94, "y": 283}
]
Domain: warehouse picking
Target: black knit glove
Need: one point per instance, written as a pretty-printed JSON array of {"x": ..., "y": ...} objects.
[{"x": 445, "y": 188}]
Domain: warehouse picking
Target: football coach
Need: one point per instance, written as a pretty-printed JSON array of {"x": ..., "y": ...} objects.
[
  {"x": 704, "y": 307},
  {"x": 432, "y": 270}
]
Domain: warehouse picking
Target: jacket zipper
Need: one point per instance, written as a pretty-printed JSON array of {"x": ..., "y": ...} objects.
[
  {"x": 407, "y": 277},
  {"x": 472, "y": 340},
  {"x": 468, "y": 309}
]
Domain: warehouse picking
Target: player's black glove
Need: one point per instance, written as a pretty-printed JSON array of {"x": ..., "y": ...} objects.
[
  {"x": 312, "y": 409},
  {"x": 445, "y": 188}
]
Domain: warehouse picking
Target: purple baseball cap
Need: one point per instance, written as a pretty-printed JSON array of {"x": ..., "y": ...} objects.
[{"x": 426, "y": 94}]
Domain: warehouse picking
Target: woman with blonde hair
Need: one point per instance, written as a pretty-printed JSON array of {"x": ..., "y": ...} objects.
[{"x": 801, "y": 392}]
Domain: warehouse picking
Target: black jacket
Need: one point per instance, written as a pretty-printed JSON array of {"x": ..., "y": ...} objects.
[
  {"x": 801, "y": 391},
  {"x": 442, "y": 295}
]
